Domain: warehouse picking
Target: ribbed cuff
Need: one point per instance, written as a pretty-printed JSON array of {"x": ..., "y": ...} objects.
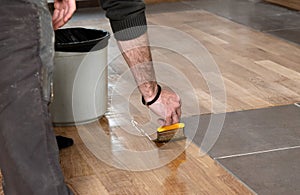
[{"x": 129, "y": 28}]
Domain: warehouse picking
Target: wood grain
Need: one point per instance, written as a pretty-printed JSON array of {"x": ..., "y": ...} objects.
[
  {"x": 1, "y": 189},
  {"x": 293, "y": 4},
  {"x": 258, "y": 71}
]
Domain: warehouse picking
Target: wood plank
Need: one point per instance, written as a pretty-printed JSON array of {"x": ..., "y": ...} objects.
[{"x": 86, "y": 185}]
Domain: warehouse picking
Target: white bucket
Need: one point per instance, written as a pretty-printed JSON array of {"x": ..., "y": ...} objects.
[{"x": 79, "y": 86}]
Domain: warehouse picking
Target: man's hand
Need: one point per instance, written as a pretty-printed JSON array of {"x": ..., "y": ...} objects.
[
  {"x": 63, "y": 11},
  {"x": 167, "y": 106}
]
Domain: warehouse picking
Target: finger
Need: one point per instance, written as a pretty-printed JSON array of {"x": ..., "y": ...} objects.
[
  {"x": 70, "y": 11},
  {"x": 59, "y": 22},
  {"x": 178, "y": 112},
  {"x": 161, "y": 121},
  {"x": 178, "y": 108},
  {"x": 66, "y": 10},
  {"x": 175, "y": 118},
  {"x": 168, "y": 120},
  {"x": 55, "y": 15}
]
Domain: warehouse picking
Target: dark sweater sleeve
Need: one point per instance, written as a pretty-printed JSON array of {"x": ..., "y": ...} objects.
[{"x": 127, "y": 17}]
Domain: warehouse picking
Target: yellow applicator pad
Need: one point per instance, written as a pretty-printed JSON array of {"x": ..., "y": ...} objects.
[{"x": 170, "y": 133}]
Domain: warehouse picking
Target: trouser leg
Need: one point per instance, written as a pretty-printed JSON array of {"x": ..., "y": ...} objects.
[{"x": 28, "y": 150}]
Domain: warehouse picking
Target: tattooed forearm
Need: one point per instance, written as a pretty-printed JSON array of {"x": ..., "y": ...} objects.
[{"x": 137, "y": 54}]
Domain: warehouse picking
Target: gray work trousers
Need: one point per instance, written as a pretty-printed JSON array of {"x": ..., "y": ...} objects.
[{"x": 28, "y": 151}]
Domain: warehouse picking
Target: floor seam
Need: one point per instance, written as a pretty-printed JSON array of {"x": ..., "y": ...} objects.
[
  {"x": 257, "y": 152},
  {"x": 281, "y": 29}
]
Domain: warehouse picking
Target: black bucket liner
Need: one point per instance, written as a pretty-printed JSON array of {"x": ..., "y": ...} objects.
[{"x": 80, "y": 40}]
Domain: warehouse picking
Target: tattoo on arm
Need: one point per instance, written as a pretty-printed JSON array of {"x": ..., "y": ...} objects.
[{"x": 137, "y": 54}]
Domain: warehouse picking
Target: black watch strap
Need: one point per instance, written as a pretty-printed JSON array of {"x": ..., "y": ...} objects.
[{"x": 154, "y": 99}]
